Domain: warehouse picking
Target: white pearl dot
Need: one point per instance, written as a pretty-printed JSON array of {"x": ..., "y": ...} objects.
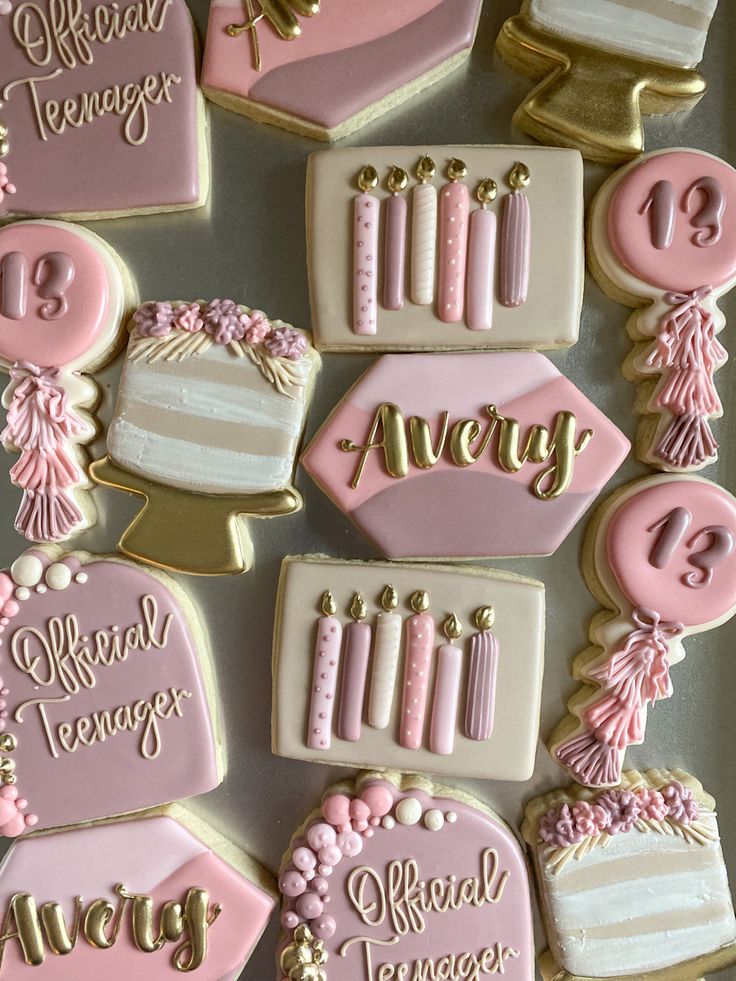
[
  {"x": 58, "y": 576},
  {"x": 434, "y": 820},
  {"x": 22, "y": 593},
  {"x": 41, "y": 588},
  {"x": 80, "y": 577},
  {"x": 388, "y": 822},
  {"x": 26, "y": 570},
  {"x": 451, "y": 817},
  {"x": 408, "y": 811}
]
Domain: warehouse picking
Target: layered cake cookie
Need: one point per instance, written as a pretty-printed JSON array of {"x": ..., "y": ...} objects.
[
  {"x": 660, "y": 554},
  {"x": 100, "y": 111},
  {"x": 416, "y": 667},
  {"x": 426, "y": 448},
  {"x": 107, "y": 694},
  {"x": 663, "y": 240},
  {"x": 601, "y": 64},
  {"x": 445, "y": 247},
  {"x": 64, "y": 294},
  {"x": 156, "y": 896},
  {"x": 632, "y": 881},
  {"x": 209, "y": 416},
  {"x": 401, "y": 878},
  {"x": 325, "y": 70}
]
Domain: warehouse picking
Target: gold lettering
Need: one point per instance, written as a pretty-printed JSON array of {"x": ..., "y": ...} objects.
[
  {"x": 395, "y": 450},
  {"x": 55, "y": 927},
  {"x": 198, "y": 918},
  {"x": 421, "y": 440},
  {"x": 23, "y": 913}
]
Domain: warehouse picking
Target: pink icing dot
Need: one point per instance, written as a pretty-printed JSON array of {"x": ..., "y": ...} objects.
[
  {"x": 320, "y": 885},
  {"x": 10, "y": 609},
  {"x": 309, "y": 906},
  {"x": 336, "y": 809},
  {"x": 324, "y": 927},
  {"x": 304, "y": 859},
  {"x": 31, "y": 820},
  {"x": 289, "y": 920},
  {"x": 350, "y": 844},
  {"x": 6, "y": 587},
  {"x": 292, "y": 883},
  {"x": 321, "y": 835},
  {"x": 330, "y": 855},
  {"x": 324, "y": 869},
  {"x": 378, "y": 799},
  {"x": 359, "y": 811}
]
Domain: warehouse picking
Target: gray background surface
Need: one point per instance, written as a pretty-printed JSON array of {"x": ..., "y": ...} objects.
[{"x": 249, "y": 245}]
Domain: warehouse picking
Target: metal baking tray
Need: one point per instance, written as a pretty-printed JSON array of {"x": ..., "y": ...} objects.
[{"x": 250, "y": 245}]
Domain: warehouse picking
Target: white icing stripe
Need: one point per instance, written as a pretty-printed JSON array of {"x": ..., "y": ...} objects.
[
  {"x": 142, "y": 383},
  {"x": 181, "y": 463},
  {"x": 658, "y": 30}
]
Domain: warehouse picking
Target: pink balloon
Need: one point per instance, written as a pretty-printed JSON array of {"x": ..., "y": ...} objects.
[
  {"x": 320, "y": 835},
  {"x": 336, "y": 809},
  {"x": 350, "y": 843},
  {"x": 309, "y": 906},
  {"x": 378, "y": 799},
  {"x": 304, "y": 859},
  {"x": 292, "y": 883},
  {"x": 324, "y": 927}
]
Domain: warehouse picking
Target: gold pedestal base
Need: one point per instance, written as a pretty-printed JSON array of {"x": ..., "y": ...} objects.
[
  {"x": 200, "y": 534},
  {"x": 590, "y": 99}
]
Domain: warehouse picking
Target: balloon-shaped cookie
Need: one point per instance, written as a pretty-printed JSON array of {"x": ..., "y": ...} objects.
[
  {"x": 660, "y": 554},
  {"x": 663, "y": 238},
  {"x": 63, "y": 296}
]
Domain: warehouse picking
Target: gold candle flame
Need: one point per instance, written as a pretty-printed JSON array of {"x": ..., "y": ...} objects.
[
  {"x": 397, "y": 180},
  {"x": 368, "y": 178},
  {"x": 329, "y": 607},
  {"x": 487, "y": 191},
  {"x": 420, "y": 601},
  {"x": 389, "y": 598},
  {"x": 485, "y": 617},
  {"x": 358, "y": 609},
  {"x": 426, "y": 169},
  {"x": 520, "y": 176},
  {"x": 457, "y": 170},
  {"x": 453, "y": 628}
]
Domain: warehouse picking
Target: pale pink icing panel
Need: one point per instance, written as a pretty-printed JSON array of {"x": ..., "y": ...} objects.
[
  {"x": 629, "y": 543},
  {"x": 57, "y": 341},
  {"x": 684, "y": 266},
  {"x": 90, "y": 862},
  {"x": 456, "y": 849},
  {"x": 113, "y": 776}
]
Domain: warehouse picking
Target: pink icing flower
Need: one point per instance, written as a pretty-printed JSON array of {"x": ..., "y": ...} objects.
[
  {"x": 681, "y": 805},
  {"x": 154, "y": 319},
  {"x": 624, "y": 808},
  {"x": 652, "y": 805},
  {"x": 558, "y": 828},
  {"x": 6, "y": 187},
  {"x": 288, "y": 342},
  {"x": 257, "y": 326},
  {"x": 188, "y": 317},
  {"x": 225, "y": 321},
  {"x": 590, "y": 819}
]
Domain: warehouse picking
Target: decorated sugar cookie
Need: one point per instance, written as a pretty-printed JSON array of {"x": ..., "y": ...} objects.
[
  {"x": 464, "y": 455},
  {"x": 107, "y": 701},
  {"x": 156, "y": 896},
  {"x": 210, "y": 411},
  {"x": 663, "y": 238},
  {"x": 632, "y": 881},
  {"x": 324, "y": 69},
  {"x": 445, "y": 247},
  {"x": 63, "y": 299},
  {"x": 400, "y": 878},
  {"x": 416, "y": 667},
  {"x": 100, "y": 113},
  {"x": 661, "y": 555},
  {"x": 601, "y": 64}
]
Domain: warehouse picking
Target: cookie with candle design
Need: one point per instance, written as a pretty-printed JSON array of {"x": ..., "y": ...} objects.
[
  {"x": 600, "y": 65},
  {"x": 632, "y": 881},
  {"x": 100, "y": 110},
  {"x": 209, "y": 416},
  {"x": 64, "y": 294},
  {"x": 420, "y": 668},
  {"x": 468, "y": 256},
  {"x": 155, "y": 896},
  {"x": 423, "y": 445},
  {"x": 397, "y": 877},
  {"x": 660, "y": 555},
  {"x": 663, "y": 240},
  {"x": 325, "y": 70},
  {"x": 107, "y": 696}
]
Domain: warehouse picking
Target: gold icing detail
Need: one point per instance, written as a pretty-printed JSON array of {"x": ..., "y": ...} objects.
[
  {"x": 358, "y": 609},
  {"x": 457, "y": 170},
  {"x": 420, "y": 601},
  {"x": 393, "y": 444},
  {"x": 389, "y": 598},
  {"x": 8, "y": 742},
  {"x": 397, "y": 180},
  {"x": 485, "y": 617},
  {"x": 520, "y": 176},
  {"x": 329, "y": 607},
  {"x": 486, "y": 191},
  {"x": 368, "y": 179},
  {"x": 304, "y": 957},
  {"x": 281, "y": 14},
  {"x": 453, "y": 628},
  {"x": 426, "y": 169},
  {"x": 421, "y": 440},
  {"x": 4, "y": 144}
]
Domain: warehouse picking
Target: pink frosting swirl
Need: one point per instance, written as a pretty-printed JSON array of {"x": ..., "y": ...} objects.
[
  {"x": 188, "y": 317},
  {"x": 681, "y": 805},
  {"x": 558, "y": 827},
  {"x": 652, "y": 805},
  {"x": 225, "y": 321},
  {"x": 590, "y": 819},
  {"x": 624, "y": 808},
  {"x": 154, "y": 319},
  {"x": 288, "y": 342},
  {"x": 257, "y": 326}
]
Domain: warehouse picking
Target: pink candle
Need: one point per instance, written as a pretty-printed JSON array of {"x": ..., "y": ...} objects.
[
  {"x": 324, "y": 676},
  {"x": 446, "y": 691},
  {"x": 481, "y": 258},
  {"x": 484, "y": 651},
  {"x": 394, "y": 253},
  {"x": 417, "y": 661},
  {"x": 365, "y": 254},
  {"x": 354, "y": 672},
  {"x": 515, "y": 240},
  {"x": 454, "y": 211}
]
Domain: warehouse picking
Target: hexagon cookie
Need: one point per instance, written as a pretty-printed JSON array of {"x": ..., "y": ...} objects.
[
  {"x": 465, "y": 455},
  {"x": 325, "y": 71},
  {"x": 151, "y": 897}
]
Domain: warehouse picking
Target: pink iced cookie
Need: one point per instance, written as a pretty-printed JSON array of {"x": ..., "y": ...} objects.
[
  {"x": 106, "y": 701},
  {"x": 464, "y": 455},
  {"x": 325, "y": 70},
  {"x": 664, "y": 551},
  {"x": 101, "y": 111},
  {"x": 63, "y": 296},
  {"x": 155, "y": 897},
  {"x": 664, "y": 239},
  {"x": 393, "y": 878}
]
